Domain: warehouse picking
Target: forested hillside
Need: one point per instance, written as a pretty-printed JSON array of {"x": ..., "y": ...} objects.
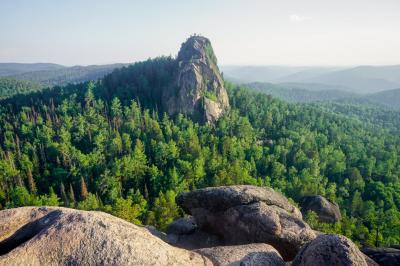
[
  {"x": 301, "y": 93},
  {"x": 365, "y": 111},
  {"x": 9, "y": 87},
  {"x": 66, "y": 75},
  {"x": 390, "y": 98},
  {"x": 360, "y": 79},
  {"x": 9, "y": 69},
  {"x": 311, "y": 93},
  {"x": 18, "y": 78},
  {"x": 105, "y": 146}
]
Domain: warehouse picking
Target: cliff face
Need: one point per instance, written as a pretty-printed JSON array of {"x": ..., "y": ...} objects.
[{"x": 198, "y": 89}]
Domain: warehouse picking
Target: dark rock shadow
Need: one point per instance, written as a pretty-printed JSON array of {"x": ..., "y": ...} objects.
[{"x": 27, "y": 232}]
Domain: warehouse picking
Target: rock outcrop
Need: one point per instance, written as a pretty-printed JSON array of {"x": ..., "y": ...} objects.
[
  {"x": 327, "y": 211},
  {"x": 60, "y": 236},
  {"x": 222, "y": 198},
  {"x": 248, "y": 214},
  {"x": 237, "y": 225},
  {"x": 251, "y": 254},
  {"x": 184, "y": 233},
  {"x": 182, "y": 226},
  {"x": 333, "y": 250},
  {"x": 383, "y": 256},
  {"x": 198, "y": 90}
]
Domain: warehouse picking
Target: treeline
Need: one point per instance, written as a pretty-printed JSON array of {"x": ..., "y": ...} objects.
[
  {"x": 10, "y": 86},
  {"x": 62, "y": 76},
  {"x": 91, "y": 146},
  {"x": 375, "y": 116}
]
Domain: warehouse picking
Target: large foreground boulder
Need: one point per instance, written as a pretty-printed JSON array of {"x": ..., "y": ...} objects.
[
  {"x": 327, "y": 211},
  {"x": 225, "y": 197},
  {"x": 332, "y": 250},
  {"x": 251, "y": 254},
  {"x": 248, "y": 214},
  {"x": 60, "y": 236},
  {"x": 384, "y": 256}
]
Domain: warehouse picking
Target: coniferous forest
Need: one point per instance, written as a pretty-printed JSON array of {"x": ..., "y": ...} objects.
[{"x": 107, "y": 145}]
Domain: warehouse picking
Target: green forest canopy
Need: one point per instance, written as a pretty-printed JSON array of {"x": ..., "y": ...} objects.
[
  {"x": 106, "y": 146},
  {"x": 11, "y": 86}
]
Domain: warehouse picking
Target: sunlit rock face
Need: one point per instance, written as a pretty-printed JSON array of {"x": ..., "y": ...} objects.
[
  {"x": 198, "y": 89},
  {"x": 61, "y": 236}
]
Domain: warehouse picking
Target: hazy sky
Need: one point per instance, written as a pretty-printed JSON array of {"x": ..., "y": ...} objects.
[{"x": 264, "y": 32}]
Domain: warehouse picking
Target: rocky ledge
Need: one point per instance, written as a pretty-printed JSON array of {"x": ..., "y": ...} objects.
[
  {"x": 237, "y": 225},
  {"x": 60, "y": 236}
]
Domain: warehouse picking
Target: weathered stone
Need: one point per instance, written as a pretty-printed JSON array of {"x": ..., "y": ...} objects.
[
  {"x": 195, "y": 240},
  {"x": 327, "y": 211},
  {"x": 262, "y": 259},
  {"x": 257, "y": 223},
  {"x": 60, "y": 236},
  {"x": 182, "y": 226},
  {"x": 249, "y": 214},
  {"x": 199, "y": 87},
  {"x": 251, "y": 254},
  {"x": 225, "y": 197},
  {"x": 333, "y": 250},
  {"x": 383, "y": 256}
]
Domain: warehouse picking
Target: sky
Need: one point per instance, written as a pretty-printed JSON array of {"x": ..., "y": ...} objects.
[{"x": 242, "y": 32}]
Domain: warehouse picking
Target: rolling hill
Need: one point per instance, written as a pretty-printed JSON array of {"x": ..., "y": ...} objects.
[
  {"x": 361, "y": 79},
  {"x": 390, "y": 98},
  {"x": 65, "y": 75},
  {"x": 9, "y": 69},
  {"x": 21, "y": 78},
  {"x": 273, "y": 74},
  {"x": 310, "y": 93},
  {"x": 299, "y": 93},
  {"x": 10, "y": 86}
]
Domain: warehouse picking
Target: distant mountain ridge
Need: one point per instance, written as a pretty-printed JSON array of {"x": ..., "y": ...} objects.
[
  {"x": 10, "y": 87},
  {"x": 366, "y": 84},
  {"x": 360, "y": 79},
  {"x": 9, "y": 69},
  {"x": 310, "y": 93},
  {"x": 23, "y": 78},
  {"x": 389, "y": 98},
  {"x": 65, "y": 75},
  {"x": 301, "y": 93}
]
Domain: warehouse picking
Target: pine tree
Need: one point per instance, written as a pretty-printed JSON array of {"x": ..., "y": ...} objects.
[
  {"x": 64, "y": 197},
  {"x": 89, "y": 97},
  {"x": 27, "y": 166},
  {"x": 71, "y": 195},
  {"x": 31, "y": 182},
  {"x": 84, "y": 191}
]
